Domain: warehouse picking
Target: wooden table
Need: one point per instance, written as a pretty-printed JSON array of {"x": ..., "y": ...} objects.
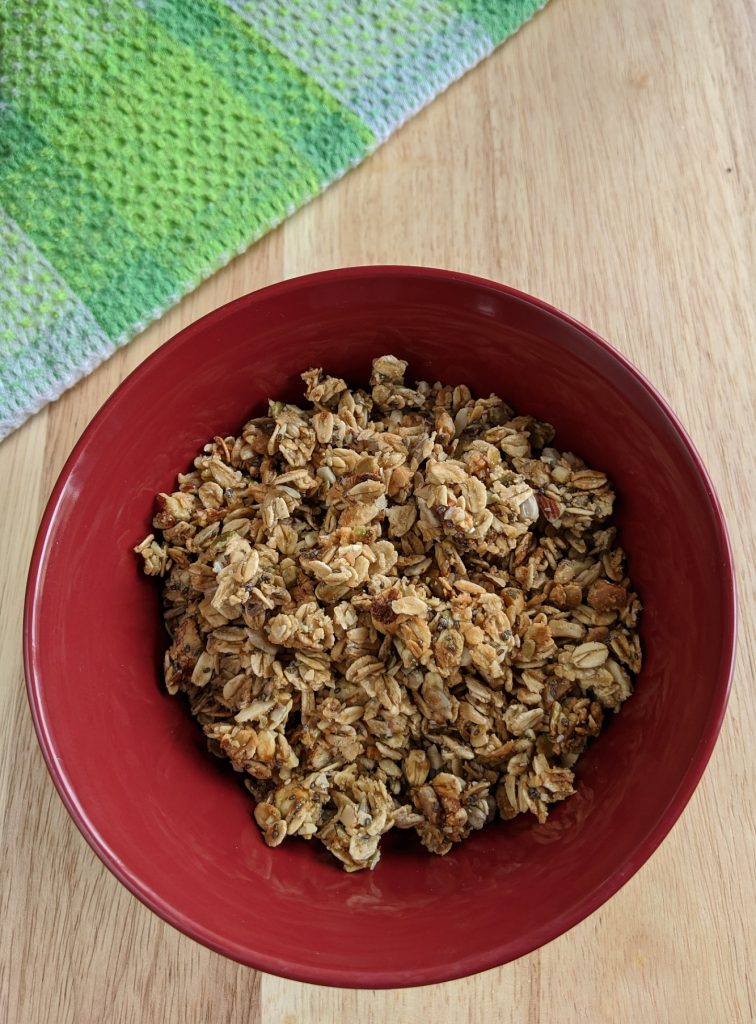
[{"x": 602, "y": 160}]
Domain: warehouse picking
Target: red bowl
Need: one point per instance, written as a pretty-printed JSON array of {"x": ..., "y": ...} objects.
[{"x": 171, "y": 822}]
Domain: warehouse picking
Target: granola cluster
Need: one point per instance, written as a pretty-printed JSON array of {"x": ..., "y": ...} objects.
[{"x": 400, "y": 607}]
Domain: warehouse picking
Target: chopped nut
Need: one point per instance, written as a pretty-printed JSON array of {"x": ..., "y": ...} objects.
[{"x": 605, "y": 596}]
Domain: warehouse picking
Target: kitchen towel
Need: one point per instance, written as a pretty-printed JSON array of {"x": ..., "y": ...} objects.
[{"x": 145, "y": 143}]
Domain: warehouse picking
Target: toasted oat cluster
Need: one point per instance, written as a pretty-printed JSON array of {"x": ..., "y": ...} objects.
[{"x": 394, "y": 608}]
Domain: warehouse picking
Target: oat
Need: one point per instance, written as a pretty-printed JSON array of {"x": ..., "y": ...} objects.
[{"x": 397, "y": 608}]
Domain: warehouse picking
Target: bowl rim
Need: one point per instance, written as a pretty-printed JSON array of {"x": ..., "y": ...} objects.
[{"x": 344, "y": 976}]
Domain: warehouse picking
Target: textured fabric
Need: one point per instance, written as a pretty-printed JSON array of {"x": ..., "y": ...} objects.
[{"x": 144, "y": 143}]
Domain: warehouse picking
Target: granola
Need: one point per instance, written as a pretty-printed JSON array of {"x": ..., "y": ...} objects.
[{"x": 394, "y": 608}]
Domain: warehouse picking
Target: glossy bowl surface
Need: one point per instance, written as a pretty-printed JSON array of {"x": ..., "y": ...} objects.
[{"x": 175, "y": 826}]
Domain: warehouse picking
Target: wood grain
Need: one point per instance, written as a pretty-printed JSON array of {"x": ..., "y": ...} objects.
[{"x": 603, "y": 159}]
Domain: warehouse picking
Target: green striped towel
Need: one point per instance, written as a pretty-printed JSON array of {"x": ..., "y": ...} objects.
[{"x": 144, "y": 143}]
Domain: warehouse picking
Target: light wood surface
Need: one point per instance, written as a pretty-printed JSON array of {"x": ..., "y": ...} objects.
[{"x": 602, "y": 159}]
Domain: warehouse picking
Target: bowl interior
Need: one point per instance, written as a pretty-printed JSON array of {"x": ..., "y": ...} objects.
[{"x": 176, "y": 825}]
